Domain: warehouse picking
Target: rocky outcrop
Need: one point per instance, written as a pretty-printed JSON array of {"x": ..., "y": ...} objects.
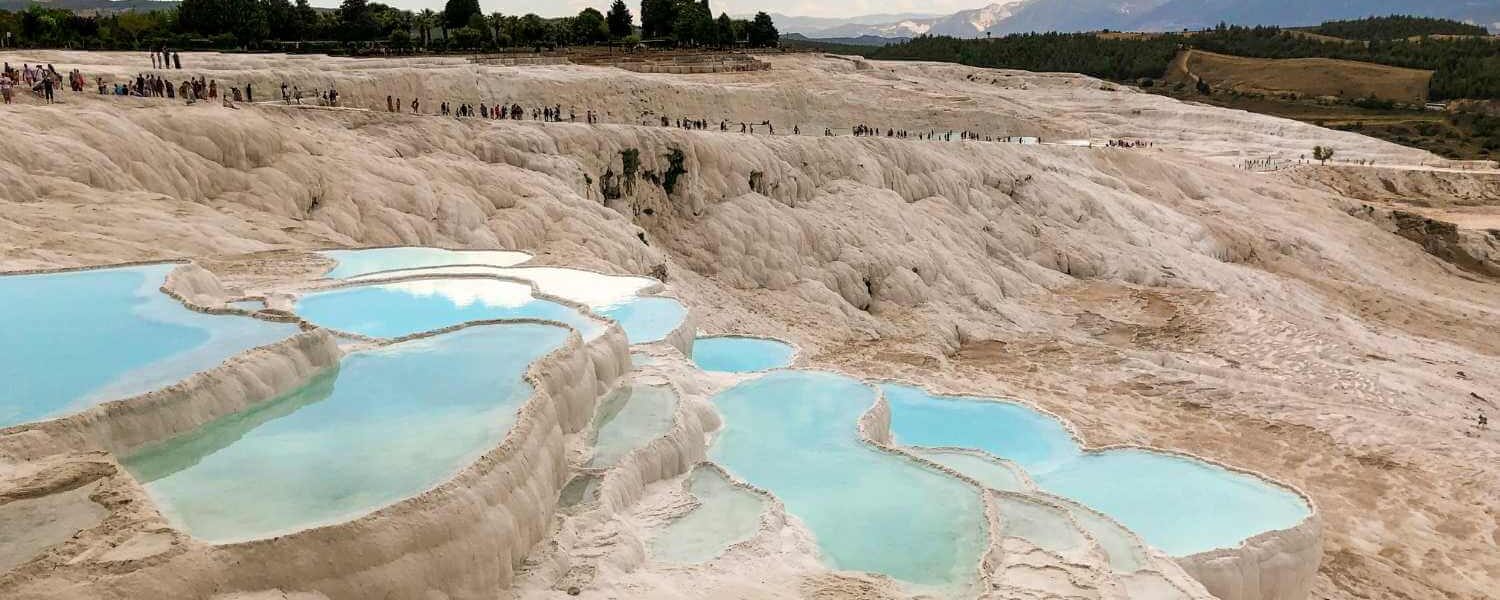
[
  {"x": 1276, "y": 565},
  {"x": 1473, "y": 250}
]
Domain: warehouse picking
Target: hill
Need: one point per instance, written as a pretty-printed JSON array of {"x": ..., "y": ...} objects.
[
  {"x": 1396, "y": 27},
  {"x": 1026, "y": 16},
  {"x": 1301, "y": 77},
  {"x": 797, "y": 39}
]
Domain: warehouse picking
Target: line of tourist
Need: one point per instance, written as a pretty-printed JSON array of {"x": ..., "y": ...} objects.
[{"x": 43, "y": 82}]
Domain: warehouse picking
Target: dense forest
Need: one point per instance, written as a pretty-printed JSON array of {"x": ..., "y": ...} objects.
[
  {"x": 360, "y": 24},
  {"x": 1395, "y": 27},
  {"x": 1465, "y": 67}
]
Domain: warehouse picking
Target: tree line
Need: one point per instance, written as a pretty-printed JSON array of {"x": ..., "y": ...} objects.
[
  {"x": 1465, "y": 67},
  {"x": 461, "y": 25},
  {"x": 1395, "y": 27}
]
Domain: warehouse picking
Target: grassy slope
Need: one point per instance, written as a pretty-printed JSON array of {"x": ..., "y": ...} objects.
[{"x": 1304, "y": 77}]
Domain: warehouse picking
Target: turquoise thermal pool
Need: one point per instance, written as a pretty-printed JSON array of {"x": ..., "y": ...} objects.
[
  {"x": 74, "y": 339},
  {"x": 795, "y": 434},
  {"x": 353, "y": 263},
  {"x": 400, "y": 308},
  {"x": 726, "y": 515},
  {"x": 733, "y": 354},
  {"x": 628, "y": 418},
  {"x": 1179, "y": 505},
  {"x": 386, "y": 424},
  {"x": 646, "y": 319},
  {"x": 596, "y": 290}
]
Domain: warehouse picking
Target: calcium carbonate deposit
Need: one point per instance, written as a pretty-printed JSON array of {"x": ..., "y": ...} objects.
[{"x": 274, "y": 351}]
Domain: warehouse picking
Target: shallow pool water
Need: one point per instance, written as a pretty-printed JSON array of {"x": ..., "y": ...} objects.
[
  {"x": 352, "y": 263},
  {"x": 726, "y": 515},
  {"x": 396, "y": 309},
  {"x": 794, "y": 433},
  {"x": 75, "y": 339},
  {"x": 628, "y": 418},
  {"x": 386, "y": 424},
  {"x": 732, "y": 354},
  {"x": 646, "y": 319},
  {"x": 586, "y": 287},
  {"x": 250, "y": 305},
  {"x": 1043, "y": 526},
  {"x": 989, "y": 472},
  {"x": 1178, "y": 505},
  {"x": 1124, "y": 554}
]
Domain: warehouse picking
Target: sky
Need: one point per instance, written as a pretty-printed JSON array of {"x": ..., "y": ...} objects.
[{"x": 799, "y": 8}]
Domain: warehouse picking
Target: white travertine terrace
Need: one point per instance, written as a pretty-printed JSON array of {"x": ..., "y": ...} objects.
[
  {"x": 1153, "y": 297},
  {"x": 566, "y": 385}
]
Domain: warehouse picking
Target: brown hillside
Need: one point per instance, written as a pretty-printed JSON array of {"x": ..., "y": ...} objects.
[{"x": 1312, "y": 77}]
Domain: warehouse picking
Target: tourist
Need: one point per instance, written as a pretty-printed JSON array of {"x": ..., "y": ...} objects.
[
  {"x": 249, "y": 93},
  {"x": 388, "y": 107},
  {"x": 6, "y": 86},
  {"x": 416, "y": 106},
  {"x": 177, "y": 60},
  {"x": 47, "y": 88}
]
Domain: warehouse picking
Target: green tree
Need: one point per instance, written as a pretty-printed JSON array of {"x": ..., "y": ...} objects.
[
  {"x": 693, "y": 26},
  {"x": 281, "y": 19},
  {"x": 621, "y": 22},
  {"x": 356, "y": 22},
  {"x": 658, "y": 17},
  {"x": 496, "y": 23},
  {"x": 457, "y": 13},
  {"x": 426, "y": 20},
  {"x": 724, "y": 30},
  {"x": 531, "y": 30},
  {"x": 1322, "y": 153},
  {"x": 481, "y": 27},
  {"x": 307, "y": 20},
  {"x": 762, "y": 32},
  {"x": 466, "y": 38},
  {"x": 589, "y": 27}
]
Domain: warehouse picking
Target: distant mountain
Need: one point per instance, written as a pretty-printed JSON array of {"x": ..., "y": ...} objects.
[
  {"x": 864, "y": 40},
  {"x": 1020, "y": 16},
  {"x": 90, "y": 6},
  {"x": 1194, "y": 14},
  {"x": 966, "y": 23},
  {"x": 817, "y": 25}
]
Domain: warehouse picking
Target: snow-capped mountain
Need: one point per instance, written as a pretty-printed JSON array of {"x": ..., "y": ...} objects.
[{"x": 966, "y": 23}]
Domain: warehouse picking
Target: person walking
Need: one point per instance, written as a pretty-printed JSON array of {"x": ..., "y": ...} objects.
[
  {"x": 177, "y": 60},
  {"x": 7, "y": 85},
  {"x": 249, "y": 93},
  {"x": 47, "y": 87}
]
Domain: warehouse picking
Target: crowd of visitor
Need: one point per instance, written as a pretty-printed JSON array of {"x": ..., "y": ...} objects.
[{"x": 44, "y": 80}]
